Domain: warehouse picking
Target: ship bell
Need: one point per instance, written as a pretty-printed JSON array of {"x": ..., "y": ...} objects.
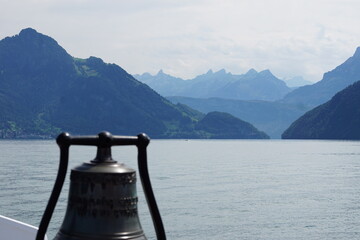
[{"x": 102, "y": 201}]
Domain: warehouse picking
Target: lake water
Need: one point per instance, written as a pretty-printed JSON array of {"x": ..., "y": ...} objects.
[{"x": 210, "y": 189}]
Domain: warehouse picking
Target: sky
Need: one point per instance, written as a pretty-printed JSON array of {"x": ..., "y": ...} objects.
[{"x": 186, "y": 38}]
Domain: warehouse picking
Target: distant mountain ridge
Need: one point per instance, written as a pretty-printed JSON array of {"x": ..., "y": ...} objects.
[
  {"x": 332, "y": 82},
  {"x": 338, "y": 118},
  {"x": 250, "y": 86},
  {"x": 296, "y": 82},
  {"x": 44, "y": 90},
  {"x": 271, "y": 117}
]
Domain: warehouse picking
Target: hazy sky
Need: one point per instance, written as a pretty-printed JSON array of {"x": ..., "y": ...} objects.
[{"x": 185, "y": 38}]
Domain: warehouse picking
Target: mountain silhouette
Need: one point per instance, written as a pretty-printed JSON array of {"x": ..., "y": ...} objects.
[
  {"x": 44, "y": 90},
  {"x": 338, "y": 118},
  {"x": 271, "y": 117},
  {"x": 332, "y": 82},
  {"x": 250, "y": 86}
]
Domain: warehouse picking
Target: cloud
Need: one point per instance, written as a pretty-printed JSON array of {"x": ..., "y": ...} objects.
[{"x": 186, "y": 38}]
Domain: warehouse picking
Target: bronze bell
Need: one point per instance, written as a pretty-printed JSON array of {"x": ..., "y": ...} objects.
[{"x": 102, "y": 201}]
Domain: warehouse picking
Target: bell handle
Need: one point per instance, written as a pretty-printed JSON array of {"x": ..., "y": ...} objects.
[
  {"x": 103, "y": 139},
  {"x": 143, "y": 141},
  {"x": 63, "y": 164}
]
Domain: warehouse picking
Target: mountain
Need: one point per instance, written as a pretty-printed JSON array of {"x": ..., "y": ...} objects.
[
  {"x": 211, "y": 122},
  {"x": 332, "y": 82},
  {"x": 206, "y": 84},
  {"x": 254, "y": 86},
  {"x": 338, "y": 118},
  {"x": 201, "y": 85},
  {"x": 296, "y": 82},
  {"x": 44, "y": 90},
  {"x": 250, "y": 86},
  {"x": 270, "y": 117},
  {"x": 162, "y": 83}
]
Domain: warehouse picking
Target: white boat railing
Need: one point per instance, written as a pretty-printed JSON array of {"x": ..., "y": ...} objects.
[{"x": 11, "y": 229}]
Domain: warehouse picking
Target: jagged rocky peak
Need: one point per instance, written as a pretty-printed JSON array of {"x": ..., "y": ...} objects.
[
  {"x": 349, "y": 67},
  {"x": 209, "y": 72},
  {"x": 266, "y": 72},
  {"x": 30, "y": 35},
  {"x": 95, "y": 60},
  {"x": 251, "y": 72},
  {"x": 357, "y": 52},
  {"x": 28, "y": 32},
  {"x": 145, "y": 74},
  {"x": 221, "y": 71},
  {"x": 161, "y": 72},
  {"x": 31, "y": 52}
]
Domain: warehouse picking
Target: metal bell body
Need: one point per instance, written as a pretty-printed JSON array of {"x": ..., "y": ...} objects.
[{"x": 102, "y": 202}]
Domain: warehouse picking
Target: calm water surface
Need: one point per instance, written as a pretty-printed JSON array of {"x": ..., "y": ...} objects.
[{"x": 232, "y": 189}]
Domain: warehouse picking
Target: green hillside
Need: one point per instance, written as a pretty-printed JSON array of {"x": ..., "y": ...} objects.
[
  {"x": 338, "y": 118},
  {"x": 215, "y": 125},
  {"x": 44, "y": 90}
]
